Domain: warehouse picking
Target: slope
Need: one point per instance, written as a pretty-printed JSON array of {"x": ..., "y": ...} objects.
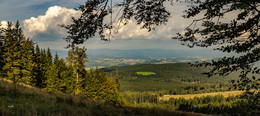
[
  {"x": 26, "y": 100},
  {"x": 166, "y": 77}
]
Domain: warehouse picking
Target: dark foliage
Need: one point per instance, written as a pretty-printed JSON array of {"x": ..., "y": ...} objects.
[{"x": 238, "y": 34}]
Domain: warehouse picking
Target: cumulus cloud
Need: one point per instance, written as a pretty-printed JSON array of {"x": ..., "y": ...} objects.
[
  {"x": 4, "y": 24},
  {"x": 48, "y": 24},
  {"x": 134, "y": 31},
  {"x": 45, "y": 31},
  {"x": 175, "y": 24}
]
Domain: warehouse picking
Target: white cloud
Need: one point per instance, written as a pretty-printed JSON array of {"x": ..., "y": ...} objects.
[
  {"x": 4, "y": 24},
  {"x": 45, "y": 31},
  {"x": 131, "y": 30},
  {"x": 175, "y": 24},
  {"x": 134, "y": 31},
  {"x": 48, "y": 24}
]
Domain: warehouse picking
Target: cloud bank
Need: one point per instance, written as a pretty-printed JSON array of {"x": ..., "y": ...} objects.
[
  {"x": 45, "y": 30},
  {"x": 46, "y": 27},
  {"x": 4, "y": 24}
]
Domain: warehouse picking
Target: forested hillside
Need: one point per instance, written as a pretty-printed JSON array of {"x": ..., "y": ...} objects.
[
  {"x": 170, "y": 78},
  {"x": 24, "y": 62},
  {"x": 146, "y": 85}
]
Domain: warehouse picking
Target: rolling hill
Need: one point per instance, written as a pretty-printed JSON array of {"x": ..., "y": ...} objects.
[{"x": 166, "y": 77}]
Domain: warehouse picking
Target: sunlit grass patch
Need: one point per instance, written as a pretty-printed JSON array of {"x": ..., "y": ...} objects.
[
  {"x": 145, "y": 73},
  {"x": 191, "y": 96}
]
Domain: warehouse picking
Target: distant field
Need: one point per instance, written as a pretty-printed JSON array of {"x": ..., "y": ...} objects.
[
  {"x": 145, "y": 73},
  {"x": 191, "y": 96}
]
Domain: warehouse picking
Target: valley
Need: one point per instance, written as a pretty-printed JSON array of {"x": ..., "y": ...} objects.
[{"x": 177, "y": 86}]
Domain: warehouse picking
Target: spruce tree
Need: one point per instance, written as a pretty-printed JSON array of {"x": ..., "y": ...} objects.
[
  {"x": 52, "y": 74},
  {"x": 37, "y": 68},
  {"x": 52, "y": 78},
  {"x": 60, "y": 77},
  {"x": 12, "y": 54},
  {"x": 56, "y": 58},
  {"x": 2, "y": 63},
  {"x": 44, "y": 66},
  {"x": 98, "y": 86},
  {"x": 49, "y": 57},
  {"x": 27, "y": 62},
  {"x": 80, "y": 61},
  {"x": 77, "y": 58},
  {"x": 69, "y": 81},
  {"x": 70, "y": 58}
]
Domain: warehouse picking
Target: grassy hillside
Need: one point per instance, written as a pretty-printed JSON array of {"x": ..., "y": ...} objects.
[{"x": 29, "y": 101}]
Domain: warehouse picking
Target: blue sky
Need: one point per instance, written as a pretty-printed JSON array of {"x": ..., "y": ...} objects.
[{"x": 40, "y": 20}]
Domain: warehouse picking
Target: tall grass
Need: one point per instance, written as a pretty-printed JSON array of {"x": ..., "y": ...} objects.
[{"x": 29, "y": 101}]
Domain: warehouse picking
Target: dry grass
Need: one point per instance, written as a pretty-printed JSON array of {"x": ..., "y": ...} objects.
[
  {"x": 191, "y": 96},
  {"x": 34, "y": 101}
]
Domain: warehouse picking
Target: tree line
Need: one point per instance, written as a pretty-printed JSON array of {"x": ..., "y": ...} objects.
[
  {"x": 24, "y": 62},
  {"x": 219, "y": 105}
]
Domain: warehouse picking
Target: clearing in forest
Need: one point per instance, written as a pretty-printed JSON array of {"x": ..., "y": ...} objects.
[
  {"x": 145, "y": 73},
  {"x": 191, "y": 96}
]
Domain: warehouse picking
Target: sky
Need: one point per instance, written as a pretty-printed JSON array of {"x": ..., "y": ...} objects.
[{"x": 40, "y": 20}]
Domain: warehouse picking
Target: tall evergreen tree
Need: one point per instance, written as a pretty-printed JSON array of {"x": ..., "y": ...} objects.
[
  {"x": 98, "y": 86},
  {"x": 49, "y": 57},
  {"x": 77, "y": 58},
  {"x": 56, "y": 58},
  {"x": 44, "y": 66},
  {"x": 12, "y": 54},
  {"x": 52, "y": 74},
  {"x": 80, "y": 61},
  {"x": 70, "y": 58},
  {"x": 60, "y": 77},
  {"x": 2, "y": 39},
  {"x": 37, "y": 68},
  {"x": 68, "y": 84},
  {"x": 52, "y": 78},
  {"x": 27, "y": 62}
]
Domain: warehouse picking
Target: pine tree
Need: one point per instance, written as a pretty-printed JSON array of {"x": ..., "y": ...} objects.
[
  {"x": 70, "y": 58},
  {"x": 44, "y": 66},
  {"x": 80, "y": 61},
  {"x": 49, "y": 57},
  {"x": 56, "y": 58},
  {"x": 27, "y": 62},
  {"x": 98, "y": 86},
  {"x": 12, "y": 54},
  {"x": 69, "y": 81},
  {"x": 2, "y": 39},
  {"x": 60, "y": 77},
  {"x": 61, "y": 69},
  {"x": 52, "y": 78},
  {"x": 52, "y": 73},
  {"x": 77, "y": 58},
  {"x": 37, "y": 68}
]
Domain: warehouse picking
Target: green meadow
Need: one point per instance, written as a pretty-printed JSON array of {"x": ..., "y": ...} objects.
[{"x": 145, "y": 73}]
